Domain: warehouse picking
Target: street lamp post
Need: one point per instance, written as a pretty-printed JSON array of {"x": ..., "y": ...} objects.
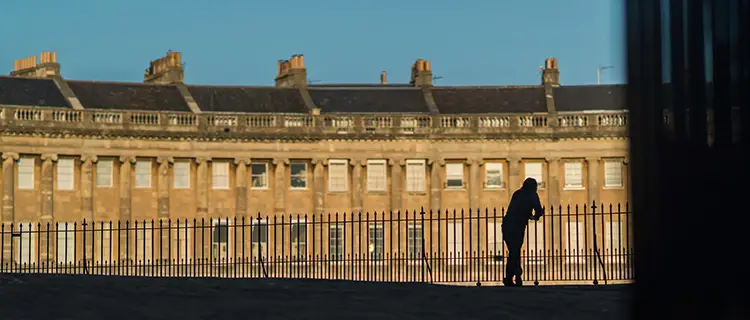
[{"x": 599, "y": 72}]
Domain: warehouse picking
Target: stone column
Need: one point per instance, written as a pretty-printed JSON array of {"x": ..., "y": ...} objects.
[
  {"x": 87, "y": 191},
  {"x": 356, "y": 192},
  {"x": 397, "y": 182},
  {"x": 319, "y": 192},
  {"x": 554, "y": 180},
  {"x": 47, "y": 187},
  {"x": 474, "y": 209},
  {"x": 202, "y": 186},
  {"x": 280, "y": 186},
  {"x": 514, "y": 175},
  {"x": 162, "y": 182},
  {"x": 241, "y": 208},
  {"x": 593, "y": 188},
  {"x": 9, "y": 162},
  {"x": 125, "y": 202},
  {"x": 436, "y": 183}
]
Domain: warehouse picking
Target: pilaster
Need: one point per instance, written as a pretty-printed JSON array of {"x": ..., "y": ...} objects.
[
  {"x": 202, "y": 187},
  {"x": 356, "y": 192},
  {"x": 436, "y": 184},
  {"x": 397, "y": 182},
  {"x": 280, "y": 186},
  {"x": 241, "y": 189}
]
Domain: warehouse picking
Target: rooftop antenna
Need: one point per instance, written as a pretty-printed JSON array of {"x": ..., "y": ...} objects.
[
  {"x": 435, "y": 78},
  {"x": 313, "y": 81}
]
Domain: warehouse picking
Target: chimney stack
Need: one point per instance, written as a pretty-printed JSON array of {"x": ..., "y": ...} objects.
[
  {"x": 28, "y": 67},
  {"x": 421, "y": 74},
  {"x": 165, "y": 70},
  {"x": 292, "y": 72},
  {"x": 382, "y": 78},
  {"x": 550, "y": 73}
]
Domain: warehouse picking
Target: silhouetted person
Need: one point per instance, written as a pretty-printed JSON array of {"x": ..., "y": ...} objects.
[{"x": 524, "y": 200}]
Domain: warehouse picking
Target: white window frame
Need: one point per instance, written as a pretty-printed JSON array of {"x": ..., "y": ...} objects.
[
  {"x": 183, "y": 247},
  {"x": 535, "y": 248},
  {"x": 26, "y": 167},
  {"x": 302, "y": 176},
  {"x": 301, "y": 246},
  {"x": 143, "y": 173},
  {"x": 575, "y": 244},
  {"x": 25, "y": 252},
  {"x": 375, "y": 229},
  {"x": 377, "y": 179},
  {"x": 416, "y": 169},
  {"x": 66, "y": 169},
  {"x": 101, "y": 173},
  {"x": 455, "y": 243},
  {"x": 66, "y": 244},
  {"x": 607, "y": 182},
  {"x": 540, "y": 177},
  {"x": 263, "y": 176},
  {"x": 103, "y": 242},
  {"x": 454, "y": 171},
  {"x": 573, "y": 182},
  {"x": 340, "y": 244},
  {"x": 181, "y": 174},
  {"x": 342, "y": 176},
  {"x": 414, "y": 243},
  {"x": 493, "y": 166},
  {"x": 614, "y": 236},
  {"x": 220, "y": 175},
  {"x": 495, "y": 244}
]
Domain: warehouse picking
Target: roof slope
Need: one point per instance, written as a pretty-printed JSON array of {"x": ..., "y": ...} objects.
[
  {"x": 248, "y": 99},
  {"x": 599, "y": 97},
  {"x": 456, "y": 100},
  {"x": 31, "y": 92},
  {"x": 128, "y": 96},
  {"x": 370, "y": 100}
]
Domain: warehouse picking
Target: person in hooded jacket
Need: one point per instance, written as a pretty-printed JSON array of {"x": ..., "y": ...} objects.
[{"x": 523, "y": 202}]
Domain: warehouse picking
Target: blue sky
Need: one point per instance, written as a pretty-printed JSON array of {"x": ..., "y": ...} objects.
[{"x": 237, "y": 42}]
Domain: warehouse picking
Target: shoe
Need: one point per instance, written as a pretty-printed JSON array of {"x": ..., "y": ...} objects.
[
  {"x": 519, "y": 282},
  {"x": 508, "y": 283}
]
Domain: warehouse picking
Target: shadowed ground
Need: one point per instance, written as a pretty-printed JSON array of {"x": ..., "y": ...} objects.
[{"x": 88, "y": 297}]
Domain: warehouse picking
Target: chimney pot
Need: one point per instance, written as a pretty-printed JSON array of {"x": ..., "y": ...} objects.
[
  {"x": 301, "y": 61},
  {"x": 427, "y": 65},
  {"x": 383, "y": 78},
  {"x": 420, "y": 65}
]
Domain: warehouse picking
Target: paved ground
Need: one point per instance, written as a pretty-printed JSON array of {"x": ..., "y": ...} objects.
[{"x": 95, "y": 297}]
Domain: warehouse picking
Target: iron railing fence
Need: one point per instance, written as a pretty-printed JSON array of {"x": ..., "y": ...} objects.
[{"x": 583, "y": 244}]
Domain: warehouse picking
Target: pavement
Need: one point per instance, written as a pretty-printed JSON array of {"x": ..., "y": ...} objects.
[{"x": 35, "y": 296}]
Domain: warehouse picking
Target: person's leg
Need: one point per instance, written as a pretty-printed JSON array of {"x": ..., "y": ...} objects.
[
  {"x": 514, "y": 256},
  {"x": 518, "y": 270}
]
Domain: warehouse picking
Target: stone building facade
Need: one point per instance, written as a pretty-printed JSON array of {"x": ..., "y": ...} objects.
[{"x": 162, "y": 149}]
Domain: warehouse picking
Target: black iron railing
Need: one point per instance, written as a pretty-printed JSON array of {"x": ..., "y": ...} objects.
[{"x": 584, "y": 244}]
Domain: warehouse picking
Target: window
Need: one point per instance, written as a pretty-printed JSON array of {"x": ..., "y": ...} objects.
[
  {"x": 65, "y": 174},
  {"x": 104, "y": 173},
  {"x": 259, "y": 175},
  {"x": 182, "y": 175},
  {"x": 455, "y": 242},
  {"x": 182, "y": 244},
  {"x": 103, "y": 242},
  {"x": 336, "y": 242},
  {"x": 298, "y": 177},
  {"x": 576, "y": 247},
  {"x": 574, "y": 175},
  {"x": 25, "y": 245},
  {"x": 220, "y": 177},
  {"x": 376, "y": 175},
  {"x": 454, "y": 175},
  {"x": 534, "y": 170},
  {"x": 376, "y": 241},
  {"x": 495, "y": 240},
  {"x": 535, "y": 248},
  {"x": 259, "y": 236},
  {"x": 299, "y": 241},
  {"x": 414, "y": 243},
  {"x": 143, "y": 174},
  {"x": 493, "y": 178},
  {"x": 66, "y": 244},
  {"x": 613, "y": 173},
  {"x": 337, "y": 175},
  {"x": 415, "y": 176},
  {"x": 220, "y": 241},
  {"x": 144, "y": 242},
  {"x": 26, "y": 173},
  {"x": 613, "y": 239}
]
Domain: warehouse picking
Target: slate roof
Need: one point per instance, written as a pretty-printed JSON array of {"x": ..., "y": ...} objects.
[
  {"x": 369, "y": 100},
  {"x": 31, "y": 92},
  {"x": 248, "y": 99},
  {"x": 128, "y": 96},
  {"x": 454, "y": 100},
  {"x": 599, "y": 97}
]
